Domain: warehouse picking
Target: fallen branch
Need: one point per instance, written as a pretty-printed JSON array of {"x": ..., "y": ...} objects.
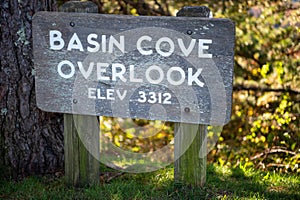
[
  {"x": 106, "y": 177},
  {"x": 264, "y": 89},
  {"x": 275, "y": 165},
  {"x": 272, "y": 151}
]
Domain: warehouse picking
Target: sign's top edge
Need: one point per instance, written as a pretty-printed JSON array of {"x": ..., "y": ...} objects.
[{"x": 97, "y": 15}]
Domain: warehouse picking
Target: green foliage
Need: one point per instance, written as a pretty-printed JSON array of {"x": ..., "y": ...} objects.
[
  {"x": 265, "y": 127},
  {"x": 264, "y": 130},
  {"x": 137, "y": 135}
]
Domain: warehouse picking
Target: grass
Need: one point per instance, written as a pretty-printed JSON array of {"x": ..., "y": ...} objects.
[{"x": 222, "y": 183}]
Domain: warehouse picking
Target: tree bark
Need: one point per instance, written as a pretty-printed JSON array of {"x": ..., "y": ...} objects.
[{"x": 31, "y": 141}]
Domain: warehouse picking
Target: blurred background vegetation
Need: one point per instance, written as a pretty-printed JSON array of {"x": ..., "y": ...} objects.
[{"x": 264, "y": 131}]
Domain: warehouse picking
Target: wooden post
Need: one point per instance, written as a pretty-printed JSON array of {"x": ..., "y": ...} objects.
[
  {"x": 190, "y": 165},
  {"x": 81, "y": 167}
]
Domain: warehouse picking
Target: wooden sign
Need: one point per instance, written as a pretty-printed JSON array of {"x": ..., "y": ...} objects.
[{"x": 176, "y": 69}]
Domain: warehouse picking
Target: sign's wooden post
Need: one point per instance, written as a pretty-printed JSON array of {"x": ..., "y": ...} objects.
[
  {"x": 81, "y": 168},
  {"x": 190, "y": 167}
]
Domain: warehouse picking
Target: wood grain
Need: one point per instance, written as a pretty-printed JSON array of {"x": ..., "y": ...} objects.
[
  {"x": 210, "y": 104},
  {"x": 81, "y": 133},
  {"x": 190, "y": 141}
]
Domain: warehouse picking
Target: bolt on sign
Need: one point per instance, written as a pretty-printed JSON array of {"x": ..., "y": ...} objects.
[{"x": 177, "y": 69}]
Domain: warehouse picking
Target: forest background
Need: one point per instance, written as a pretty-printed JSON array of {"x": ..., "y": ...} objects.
[{"x": 264, "y": 131}]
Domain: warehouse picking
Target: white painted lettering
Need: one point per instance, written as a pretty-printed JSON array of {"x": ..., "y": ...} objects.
[
  {"x": 110, "y": 94},
  {"x": 56, "y": 41},
  {"x": 92, "y": 93},
  {"x": 194, "y": 77},
  {"x": 131, "y": 75},
  {"x": 202, "y": 47},
  {"x": 103, "y": 43},
  {"x": 186, "y": 51},
  {"x": 170, "y": 77},
  {"x": 116, "y": 73},
  {"x": 159, "y": 44},
  {"x": 63, "y": 74},
  {"x": 121, "y": 95},
  {"x": 91, "y": 39},
  {"x": 85, "y": 73},
  {"x": 139, "y": 45},
  {"x": 101, "y": 68},
  {"x": 158, "y": 78},
  {"x": 99, "y": 94},
  {"x": 75, "y": 43},
  {"x": 113, "y": 42}
]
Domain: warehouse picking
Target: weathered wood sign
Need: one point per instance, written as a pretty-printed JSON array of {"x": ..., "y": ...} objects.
[{"x": 165, "y": 68}]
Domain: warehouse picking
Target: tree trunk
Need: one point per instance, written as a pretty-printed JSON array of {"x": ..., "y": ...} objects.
[{"x": 31, "y": 141}]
